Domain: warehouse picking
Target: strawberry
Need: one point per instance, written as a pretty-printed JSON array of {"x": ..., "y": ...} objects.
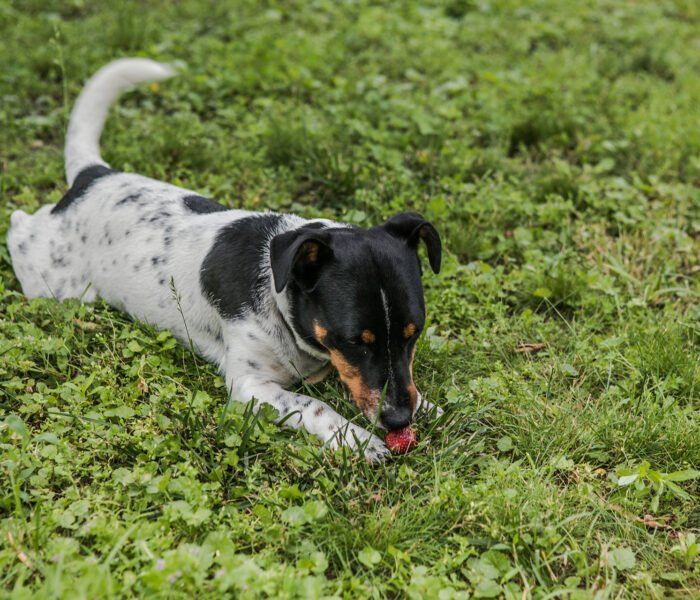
[{"x": 401, "y": 441}]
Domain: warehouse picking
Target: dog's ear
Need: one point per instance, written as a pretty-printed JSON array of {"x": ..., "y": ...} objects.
[
  {"x": 299, "y": 254},
  {"x": 412, "y": 228}
]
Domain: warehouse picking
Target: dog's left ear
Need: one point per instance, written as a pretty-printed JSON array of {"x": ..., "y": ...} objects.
[
  {"x": 412, "y": 227},
  {"x": 298, "y": 254}
]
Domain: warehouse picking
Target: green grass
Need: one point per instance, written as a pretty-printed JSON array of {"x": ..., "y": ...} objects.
[{"x": 556, "y": 146}]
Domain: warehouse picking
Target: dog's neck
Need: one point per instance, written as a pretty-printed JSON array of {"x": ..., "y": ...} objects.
[{"x": 291, "y": 324}]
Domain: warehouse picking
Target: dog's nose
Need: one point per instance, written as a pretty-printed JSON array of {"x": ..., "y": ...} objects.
[{"x": 397, "y": 417}]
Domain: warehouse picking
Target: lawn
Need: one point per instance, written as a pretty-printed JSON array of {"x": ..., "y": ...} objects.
[{"x": 556, "y": 147}]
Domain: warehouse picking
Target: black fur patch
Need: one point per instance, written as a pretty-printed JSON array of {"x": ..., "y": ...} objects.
[
  {"x": 230, "y": 276},
  {"x": 202, "y": 205},
  {"x": 82, "y": 182}
]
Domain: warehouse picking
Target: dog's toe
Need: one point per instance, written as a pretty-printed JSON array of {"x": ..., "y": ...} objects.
[
  {"x": 375, "y": 451},
  {"x": 368, "y": 444}
]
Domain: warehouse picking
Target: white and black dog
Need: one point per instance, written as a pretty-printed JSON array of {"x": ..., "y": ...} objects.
[{"x": 269, "y": 298}]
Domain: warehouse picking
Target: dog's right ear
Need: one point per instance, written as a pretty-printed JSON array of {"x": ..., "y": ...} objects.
[{"x": 299, "y": 254}]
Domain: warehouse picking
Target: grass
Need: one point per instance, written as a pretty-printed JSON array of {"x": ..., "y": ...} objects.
[{"x": 554, "y": 144}]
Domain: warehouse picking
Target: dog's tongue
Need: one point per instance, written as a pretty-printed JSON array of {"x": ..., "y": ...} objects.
[{"x": 401, "y": 441}]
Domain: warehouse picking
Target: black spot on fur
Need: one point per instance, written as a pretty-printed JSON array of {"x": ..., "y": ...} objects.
[
  {"x": 83, "y": 238},
  {"x": 130, "y": 199},
  {"x": 202, "y": 205},
  {"x": 230, "y": 276},
  {"x": 161, "y": 281},
  {"x": 58, "y": 261},
  {"x": 159, "y": 216},
  {"x": 168, "y": 235},
  {"x": 82, "y": 182},
  {"x": 253, "y": 365}
]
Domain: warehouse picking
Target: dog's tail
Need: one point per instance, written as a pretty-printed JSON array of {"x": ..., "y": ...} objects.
[{"x": 90, "y": 110}]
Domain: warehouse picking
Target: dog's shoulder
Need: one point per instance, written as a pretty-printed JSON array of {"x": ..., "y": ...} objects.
[{"x": 235, "y": 274}]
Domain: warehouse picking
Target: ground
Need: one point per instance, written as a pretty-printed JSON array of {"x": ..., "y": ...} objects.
[{"x": 555, "y": 145}]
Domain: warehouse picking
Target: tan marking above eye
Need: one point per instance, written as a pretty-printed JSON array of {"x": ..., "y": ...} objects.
[
  {"x": 409, "y": 330},
  {"x": 310, "y": 250},
  {"x": 320, "y": 332},
  {"x": 368, "y": 337}
]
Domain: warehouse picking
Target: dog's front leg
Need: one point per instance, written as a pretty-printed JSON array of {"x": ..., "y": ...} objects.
[{"x": 297, "y": 410}]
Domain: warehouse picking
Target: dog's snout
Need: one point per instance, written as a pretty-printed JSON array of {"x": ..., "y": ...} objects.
[{"x": 397, "y": 417}]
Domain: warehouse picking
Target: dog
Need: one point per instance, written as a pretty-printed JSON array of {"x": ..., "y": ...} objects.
[{"x": 269, "y": 298}]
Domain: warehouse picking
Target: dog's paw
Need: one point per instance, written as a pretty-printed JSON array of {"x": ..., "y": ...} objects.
[
  {"x": 375, "y": 450},
  {"x": 368, "y": 444}
]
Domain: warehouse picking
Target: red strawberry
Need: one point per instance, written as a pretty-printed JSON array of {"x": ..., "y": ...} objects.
[{"x": 401, "y": 441}]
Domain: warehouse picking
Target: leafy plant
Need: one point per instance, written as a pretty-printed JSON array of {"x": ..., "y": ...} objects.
[{"x": 646, "y": 481}]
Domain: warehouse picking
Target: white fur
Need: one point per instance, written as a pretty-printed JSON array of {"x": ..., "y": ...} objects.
[{"x": 90, "y": 111}]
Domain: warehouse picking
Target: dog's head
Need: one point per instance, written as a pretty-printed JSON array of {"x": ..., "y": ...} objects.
[{"x": 357, "y": 295}]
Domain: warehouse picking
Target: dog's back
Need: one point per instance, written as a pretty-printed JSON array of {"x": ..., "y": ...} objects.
[
  {"x": 41, "y": 246},
  {"x": 112, "y": 233}
]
